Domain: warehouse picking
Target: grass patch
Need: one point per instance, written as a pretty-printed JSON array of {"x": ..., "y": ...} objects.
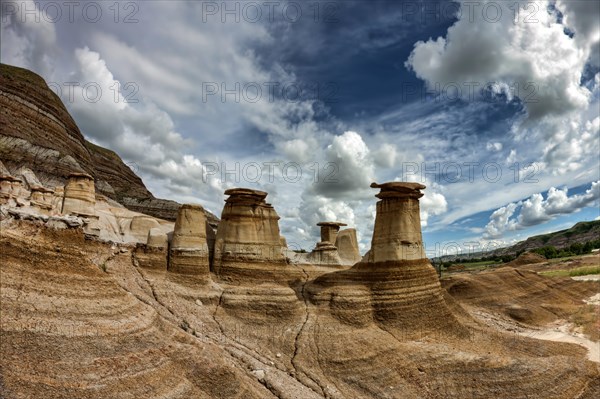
[{"x": 579, "y": 271}]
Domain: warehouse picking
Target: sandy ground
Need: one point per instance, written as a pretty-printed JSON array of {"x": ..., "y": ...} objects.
[
  {"x": 561, "y": 331},
  {"x": 589, "y": 277},
  {"x": 593, "y": 300},
  {"x": 558, "y": 331}
]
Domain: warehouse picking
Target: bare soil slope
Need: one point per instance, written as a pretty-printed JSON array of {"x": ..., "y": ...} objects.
[{"x": 80, "y": 320}]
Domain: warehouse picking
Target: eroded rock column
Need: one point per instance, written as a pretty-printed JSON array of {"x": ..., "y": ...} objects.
[
  {"x": 41, "y": 198},
  {"x": 347, "y": 245},
  {"x": 326, "y": 253},
  {"x": 79, "y": 195},
  {"x": 10, "y": 190},
  {"x": 189, "y": 249},
  {"x": 397, "y": 232},
  {"x": 248, "y": 243},
  {"x": 153, "y": 254}
]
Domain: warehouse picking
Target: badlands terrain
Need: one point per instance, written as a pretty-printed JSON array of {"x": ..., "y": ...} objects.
[{"x": 108, "y": 292}]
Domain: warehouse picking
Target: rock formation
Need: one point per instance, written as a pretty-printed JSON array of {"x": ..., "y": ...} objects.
[
  {"x": 153, "y": 254},
  {"x": 79, "y": 195},
  {"x": 42, "y": 198},
  {"x": 38, "y": 131},
  {"x": 10, "y": 189},
  {"x": 189, "y": 250},
  {"x": 347, "y": 245},
  {"x": 73, "y": 309},
  {"x": 397, "y": 233},
  {"x": 141, "y": 225},
  {"x": 157, "y": 238},
  {"x": 326, "y": 253},
  {"x": 399, "y": 286},
  {"x": 248, "y": 244},
  {"x": 329, "y": 231}
]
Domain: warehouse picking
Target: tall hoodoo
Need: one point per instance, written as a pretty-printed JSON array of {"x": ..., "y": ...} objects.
[
  {"x": 79, "y": 195},
  {"x": 326, "y": 253},
  {"x": 397, "y": 232},
  {"x": 189, "y": 249},
  {"x": 248, "y": 236},
  {"x": 329, "y": 231},
  {"x": 399, "y": 287}
]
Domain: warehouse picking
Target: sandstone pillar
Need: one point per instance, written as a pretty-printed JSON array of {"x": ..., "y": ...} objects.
[
  {"x": 41, "y": 198},
  {"x": 189, "y": 250},
  {"x": 79, "y": 195},
  {"x": 10, "y": 189},
  {"x": 329, "y": 231},
  {"x": 397, "y": 232},
  {"x": 248, "y": 243},
  {"x": 153, "y": 254},
  {"x": 347, "y": 245},
  {"x": 326, "y": 253}
]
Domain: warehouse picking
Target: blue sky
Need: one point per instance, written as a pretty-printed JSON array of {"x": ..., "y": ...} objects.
[{"x": 492, "y": 105}]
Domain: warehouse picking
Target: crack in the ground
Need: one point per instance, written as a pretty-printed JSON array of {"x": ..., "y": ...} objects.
[
  {"x": 296, "y": 367},
  {"x": 152, "y": 290}
]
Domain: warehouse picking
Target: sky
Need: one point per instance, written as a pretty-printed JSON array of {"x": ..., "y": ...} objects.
[{"x": 493, "y": 105}]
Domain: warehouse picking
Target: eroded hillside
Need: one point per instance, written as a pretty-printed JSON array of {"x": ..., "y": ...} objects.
[{"x": 80, "y": 318}]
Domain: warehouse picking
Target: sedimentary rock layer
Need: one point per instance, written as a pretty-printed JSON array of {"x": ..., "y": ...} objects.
[
  {"x": 188, "y": 253},
  {"x": 347, "y": 245},
  {"x": 68, "y": 330},
  {"x": 397, "y": 232},
  {"x": 248, "y": 245},
  {"x": 38, "y": 131},
  {"x": 79, "y": 195}
]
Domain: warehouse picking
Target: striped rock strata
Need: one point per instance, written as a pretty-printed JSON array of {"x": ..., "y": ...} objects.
[
  {"x": 248, "y": 244},
  {"x": 326, "y": 253},
  {"x": 189, "y": 250},
  {"x": 395, "y": 284},
  {"x": 80, "y": 195}
]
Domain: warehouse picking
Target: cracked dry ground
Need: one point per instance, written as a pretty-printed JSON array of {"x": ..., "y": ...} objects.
[{"x": 80, "y": 320}]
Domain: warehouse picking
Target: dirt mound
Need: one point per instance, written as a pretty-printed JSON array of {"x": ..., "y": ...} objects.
[
  {"x": 526, "y": 258},
  {"x": 522, "y": 295},
  {"x": 456, "y": 268}
]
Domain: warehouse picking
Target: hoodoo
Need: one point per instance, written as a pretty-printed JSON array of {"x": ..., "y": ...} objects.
[
  {"x": 80, "y": 195},
  {"x": 189, "y": 250},
  {"x": 397, "y": 233},
  {"x": 41, "y": 198},
  {"x": 10, "y": 188},
  {"x": 326, "y": 253},
  {"x": 248, "y": 243},
  {"x": 400, "y": 287}
]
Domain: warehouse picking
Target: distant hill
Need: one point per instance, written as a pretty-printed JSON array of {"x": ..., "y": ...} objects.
[{"x": 580, "y": 233}]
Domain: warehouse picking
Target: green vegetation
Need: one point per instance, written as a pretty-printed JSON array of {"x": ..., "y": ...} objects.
[
  {"x": 577, "y": 229},
  {"x": 579, "y": 271},
  {"x": 548, "y": 251},
  {"x": 475, "y": 263},
  {"x": 577, "y": 248}
]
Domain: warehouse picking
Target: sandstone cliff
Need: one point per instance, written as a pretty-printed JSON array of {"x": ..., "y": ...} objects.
[{"x": 37, "y": 131}]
